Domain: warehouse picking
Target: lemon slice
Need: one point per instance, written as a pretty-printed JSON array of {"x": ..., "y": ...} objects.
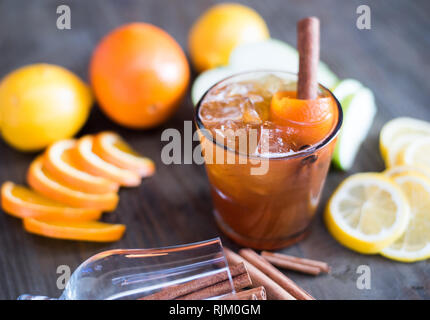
[
  {"x": 417, "y": 153},
  {"x": 367, "y": 212},
  {"x": 398, "y": 170},
  {"x": 400, "y": 127},
  {"x": 395, "y": 151},
  {"x": 414, "y": 243}
]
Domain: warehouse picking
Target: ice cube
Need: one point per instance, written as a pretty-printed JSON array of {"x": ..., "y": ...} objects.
[
  {"x": 221, "y": 111},
  {"x": 250, "y": 113},
  {"x": 270, "y": 84},
  {"x": 274, "y": 141},
  {"x": 237, "y": 89}
]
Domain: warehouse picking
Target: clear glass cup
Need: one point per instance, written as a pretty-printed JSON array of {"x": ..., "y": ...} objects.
[
  {"x": 138, "y": 273},
  {"x": 274, "y": 209}
]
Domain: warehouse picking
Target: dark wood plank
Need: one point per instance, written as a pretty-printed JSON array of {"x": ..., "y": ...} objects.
[{"x": 174, "y": 206}]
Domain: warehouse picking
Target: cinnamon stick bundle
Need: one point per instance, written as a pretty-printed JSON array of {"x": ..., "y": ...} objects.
[
  {"x": 295, "y": 263},
  {"x": 205, "y": 287},
  {"x": 240, "y": 281},
  {"x": 289, "y": 285},
  {"x": 274, "y": 291}
]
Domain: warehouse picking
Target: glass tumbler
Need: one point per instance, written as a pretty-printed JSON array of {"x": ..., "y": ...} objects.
[{"x": 271, "y": 210}]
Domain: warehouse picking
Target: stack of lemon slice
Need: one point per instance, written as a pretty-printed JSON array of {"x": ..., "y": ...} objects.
[{"x": 388, "y": 212}]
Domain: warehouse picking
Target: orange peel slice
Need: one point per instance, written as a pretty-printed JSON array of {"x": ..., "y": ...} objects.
[
  {"x": 41, "y": 181},
  {"x": 58, "y": 160},
  {"x": 84, "y": 231},
  {"x": 113, "y": 149},
  {"x": 312, "y": 120},
  {"x": 22, "y": 202},
  {"x": 95, "y": 165}
]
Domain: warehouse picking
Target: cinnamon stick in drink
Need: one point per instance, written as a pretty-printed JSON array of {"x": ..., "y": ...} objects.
[
  {"x": 289, "y": 285},
  {"x": 308, "y": 45},
  {"x": 274, "y": 291},
  {"x": 279, "y": 259},
  {"x": 183, "y": 289},
  {"x": 258, "y": 293}
]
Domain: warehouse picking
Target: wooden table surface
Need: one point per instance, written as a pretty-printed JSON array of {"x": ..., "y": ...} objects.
[{"x": 174, "y": 206}]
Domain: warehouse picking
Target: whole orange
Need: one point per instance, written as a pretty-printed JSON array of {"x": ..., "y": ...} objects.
[{"x": 139, "y": 74}]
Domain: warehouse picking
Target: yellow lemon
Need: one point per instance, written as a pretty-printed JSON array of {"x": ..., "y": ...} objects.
[
  {"x": 219, "y": 30},
  {"x": 40, "y": 104}
]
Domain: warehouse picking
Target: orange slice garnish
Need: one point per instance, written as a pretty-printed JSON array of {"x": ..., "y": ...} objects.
[
  {"x": 112, "y": 148},
  {"x": 95, "y": 165},
  {"x": 311, "y": 120},
  {"x": 84, "y": 231},
  {"x": 22, "y": 202},
  {"x": 60, "y": 164},
  {"x": 41, "y": 181}
]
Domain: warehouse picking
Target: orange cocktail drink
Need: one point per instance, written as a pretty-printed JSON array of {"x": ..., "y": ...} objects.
[{"x": 267, "y": 155}]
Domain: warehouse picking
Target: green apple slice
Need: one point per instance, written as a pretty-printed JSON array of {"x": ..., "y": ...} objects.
[
  {"x": 273, "y": 54},
  {"x": 207, "y": 79},
  {"x": 346, "y": 88},
  {"x": 359, "y": 109}
]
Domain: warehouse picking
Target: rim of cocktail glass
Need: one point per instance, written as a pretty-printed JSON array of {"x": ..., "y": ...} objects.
[{"x": 301, "y": 153}]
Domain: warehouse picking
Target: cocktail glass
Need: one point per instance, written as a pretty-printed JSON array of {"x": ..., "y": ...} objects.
[{"x": 273, "y": 209}]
